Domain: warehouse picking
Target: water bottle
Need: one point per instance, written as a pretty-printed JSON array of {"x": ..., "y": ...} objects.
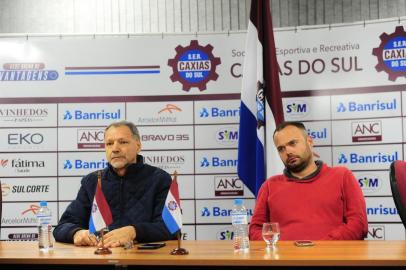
[
  {"x": 239, "y": 220},
  {"x": 44, "y": 218}
]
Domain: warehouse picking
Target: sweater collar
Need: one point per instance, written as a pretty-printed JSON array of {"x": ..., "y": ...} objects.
[{"x": 308, "y": 178}]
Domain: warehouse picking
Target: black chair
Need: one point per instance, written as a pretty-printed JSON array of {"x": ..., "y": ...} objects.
[{"x": 398, "y": 186}]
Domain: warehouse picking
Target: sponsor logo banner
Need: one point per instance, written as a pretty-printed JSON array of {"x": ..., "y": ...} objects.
[
  {"x": 363, "y": 105},
  {"x": 166, "y": 137},
  {"x": 30, "y": 139},
  {"x": 81, "y": 163},
  {"x": 215, "y": 232},
  {"x": 28, "y": 164},
  {"x": 19, "y": 234},
  {"x": 81, "y": 139},
  {"x": 93, "y": 114},
  {"x": 376, "y": 232},
  {"x": 24, "y": 214},
  {"x": 366, "y": 157},
  {"x": 216, "y": 136},
  {"x": 171, "y": 161},
  {"x": 26, "y": 189},
  {"x": 160, "y": 113},
  {"x": 374, "y": 183},
  {"x": 306, "y": 108},
  {"x": 220, "y": 186},
  {"x": 217, "y": 112},
  {"x": 216, "y": 161},
  {"x": 320, "y": 132},
  {"x": 26, "y": 115},
  {"x": 371, "y": 131},
  {"x": 381, "y": 210},
  {"x": 219, "y": 211}
]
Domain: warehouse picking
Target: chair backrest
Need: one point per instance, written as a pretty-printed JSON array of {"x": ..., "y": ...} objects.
[{"x": 398, "y": 186}]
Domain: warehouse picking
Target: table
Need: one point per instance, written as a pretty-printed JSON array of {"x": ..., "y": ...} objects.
[{"x": 206, "y": 254}]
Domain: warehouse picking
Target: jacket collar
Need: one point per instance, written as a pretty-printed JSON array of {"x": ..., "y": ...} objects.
[{"x": 131, "y": 168}]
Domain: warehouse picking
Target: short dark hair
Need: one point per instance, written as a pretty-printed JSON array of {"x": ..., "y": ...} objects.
[
  {"x": 284, "y": 124},
  {"x": 133, "y": 128}
]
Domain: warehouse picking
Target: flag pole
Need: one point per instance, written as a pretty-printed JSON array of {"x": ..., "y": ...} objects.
[
  {"x": 179, "y": 250},
  {"x": 101, "y": 250}
]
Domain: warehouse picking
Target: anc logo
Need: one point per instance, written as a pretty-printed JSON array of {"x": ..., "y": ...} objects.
[
  {"x": 194, "y": 66},
  {"x": 391, "y": 54}
]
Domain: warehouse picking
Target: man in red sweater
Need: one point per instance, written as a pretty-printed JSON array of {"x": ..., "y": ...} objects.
[{"x": 309, "y": 200}]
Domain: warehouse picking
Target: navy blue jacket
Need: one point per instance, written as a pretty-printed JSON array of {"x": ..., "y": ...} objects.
[{"x": 135, "y": 199}]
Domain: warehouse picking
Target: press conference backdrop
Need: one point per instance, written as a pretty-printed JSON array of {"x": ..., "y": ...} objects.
[{"x": 59, "y": 92}]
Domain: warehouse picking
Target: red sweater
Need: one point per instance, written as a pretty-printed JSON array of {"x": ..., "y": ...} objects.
[{"x": 329, "y": 206}]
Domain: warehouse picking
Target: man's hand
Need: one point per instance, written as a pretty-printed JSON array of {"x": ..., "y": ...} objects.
[
  {"x": 119, "y": 237},
  {"x": 84, "y": 238}
]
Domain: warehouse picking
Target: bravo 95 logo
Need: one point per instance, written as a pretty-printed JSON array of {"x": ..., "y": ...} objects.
[{"x": 194, "y": 66}]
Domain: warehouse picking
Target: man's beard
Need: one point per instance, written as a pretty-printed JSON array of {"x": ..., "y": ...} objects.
[{"x": 296, "y": 168}]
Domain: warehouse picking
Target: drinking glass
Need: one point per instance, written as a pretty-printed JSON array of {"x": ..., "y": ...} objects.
[{"x": 270, "y": 234}]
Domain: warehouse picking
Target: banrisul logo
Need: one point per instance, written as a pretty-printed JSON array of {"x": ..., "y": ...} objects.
[
  {"x": 216, "y": 112},
  {"x": 27, "y": 72},
  {"x": 84, "y": 164},
  {"x": 218, "y": 162},
  {"x": 356, "y": 158},
  {"x": 378, "y": 105},
  {"x": 317, "y": 133},
  {"x": 391, "y": 54},
  {"x": 194, "y": 66},
  {"x": 82, "y": 115}
]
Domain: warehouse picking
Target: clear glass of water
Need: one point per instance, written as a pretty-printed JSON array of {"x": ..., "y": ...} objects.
[{"x": 270, "y": 234}]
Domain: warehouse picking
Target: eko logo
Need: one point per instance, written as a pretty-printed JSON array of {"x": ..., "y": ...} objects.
[{"x": 27, "y": 138}]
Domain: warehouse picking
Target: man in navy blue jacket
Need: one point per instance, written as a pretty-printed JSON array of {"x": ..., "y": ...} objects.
[{"x": 135, "y": 192}]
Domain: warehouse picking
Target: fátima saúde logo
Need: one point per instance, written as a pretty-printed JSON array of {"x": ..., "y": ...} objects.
[
  {"x": 391, "y": 54},
  {"x": 194, "y": 66}
]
